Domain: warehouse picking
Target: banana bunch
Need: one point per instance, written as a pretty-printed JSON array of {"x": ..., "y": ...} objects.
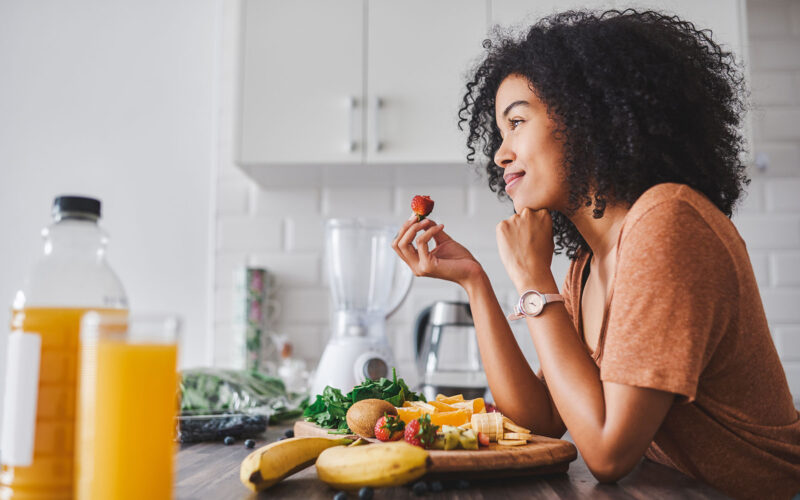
[
  {"x": 269, "y": 464},
  {"x": 375, "y": 465}
]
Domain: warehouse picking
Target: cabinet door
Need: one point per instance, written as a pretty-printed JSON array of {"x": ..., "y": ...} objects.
[
  {"x": 419, "y": 52},
  {"x": 302, "y": 82}
]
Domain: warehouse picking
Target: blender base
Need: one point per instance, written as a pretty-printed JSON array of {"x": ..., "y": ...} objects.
[{"x": 346, "y": 362}]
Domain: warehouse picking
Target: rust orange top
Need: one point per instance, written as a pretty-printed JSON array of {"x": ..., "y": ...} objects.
[{"x": 686, "y": 317}]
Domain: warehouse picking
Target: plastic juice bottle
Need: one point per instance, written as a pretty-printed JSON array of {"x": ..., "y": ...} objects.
[{"x": 72, "y": 277}]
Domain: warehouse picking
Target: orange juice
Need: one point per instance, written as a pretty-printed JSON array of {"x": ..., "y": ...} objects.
[
  {"x": 51, "y": 473},
  {"x": 126, "y": 425}
]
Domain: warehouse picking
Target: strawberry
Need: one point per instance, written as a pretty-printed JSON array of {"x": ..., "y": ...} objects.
[
  {"x": 483, "y": 439},
  {"x": 422, "y": 206},
  {"x": 389, "y": 428},
  {"x": 420, "y": 432}
]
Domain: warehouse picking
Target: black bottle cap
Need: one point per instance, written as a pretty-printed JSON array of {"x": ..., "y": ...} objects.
[{"x": 76, "y": 206}]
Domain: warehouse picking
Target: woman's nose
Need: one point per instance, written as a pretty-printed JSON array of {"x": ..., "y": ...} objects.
[{"x": 504, "y": 156}]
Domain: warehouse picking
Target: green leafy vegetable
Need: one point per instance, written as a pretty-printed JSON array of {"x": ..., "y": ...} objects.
[{"x": 330, "y": 408}]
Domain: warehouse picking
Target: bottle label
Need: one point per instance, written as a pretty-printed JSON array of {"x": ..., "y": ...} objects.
[{"x": 19, "y": 402}]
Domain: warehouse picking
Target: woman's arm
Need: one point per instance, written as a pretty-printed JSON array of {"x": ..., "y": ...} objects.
[
  {"x": 516, "y": 389},
  {"x": 612, "y": 424}
]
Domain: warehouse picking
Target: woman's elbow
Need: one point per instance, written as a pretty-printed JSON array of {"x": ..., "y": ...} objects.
[{"x": 609, "y": 469}]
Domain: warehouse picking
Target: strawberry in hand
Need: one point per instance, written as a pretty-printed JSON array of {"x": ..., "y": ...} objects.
[
  {"x": 389, "y": 428},
  {"x": 422, "y": 206},
  {"x": 420, "y": 432}
]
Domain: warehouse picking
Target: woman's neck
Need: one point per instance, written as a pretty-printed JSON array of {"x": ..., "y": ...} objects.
[{"x": 600, "y": 234}]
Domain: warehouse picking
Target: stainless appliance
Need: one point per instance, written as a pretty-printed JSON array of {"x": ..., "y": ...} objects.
[
  {"x": 368, "y": 282},
  {"x": 448, "y": 359}
]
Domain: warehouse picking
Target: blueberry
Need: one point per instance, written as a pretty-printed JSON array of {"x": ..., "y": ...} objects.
[
  {"x": 365, "y": 493},
  {"x": 340, "y": 496},
  {"x": 228, "y": 440},
  {"x": 419, "y": 488},
  {"x": 437, "y": 486},
  {"x": 250, "y": 443},
  {"x": 462, "y": 484},
  {"x": 289, "y": 433}
]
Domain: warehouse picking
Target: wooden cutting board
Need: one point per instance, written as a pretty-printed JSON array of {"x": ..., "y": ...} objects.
[{"x": 543, "y": 455}]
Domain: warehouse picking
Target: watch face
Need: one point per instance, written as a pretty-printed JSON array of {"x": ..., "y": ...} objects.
[{"x": 532, "y": 304}]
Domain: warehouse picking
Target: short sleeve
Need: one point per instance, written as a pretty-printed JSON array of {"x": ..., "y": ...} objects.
[{"x": 673, "y": 299}]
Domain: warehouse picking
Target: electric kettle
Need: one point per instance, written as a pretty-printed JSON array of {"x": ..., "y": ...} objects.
[{"x": 447, "y": 353}]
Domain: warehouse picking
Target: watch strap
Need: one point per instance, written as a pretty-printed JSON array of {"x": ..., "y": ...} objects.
[{"x": 548, "y": 298}]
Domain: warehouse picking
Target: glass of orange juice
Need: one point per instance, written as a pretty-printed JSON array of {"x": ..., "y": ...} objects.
[{"x": 125, "y": 441}]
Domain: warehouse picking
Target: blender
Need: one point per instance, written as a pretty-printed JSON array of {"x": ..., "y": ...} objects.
[{"x": 368, "y": 283}]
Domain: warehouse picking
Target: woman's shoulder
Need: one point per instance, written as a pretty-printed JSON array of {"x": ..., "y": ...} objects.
[{"x": 673, "y": 207}]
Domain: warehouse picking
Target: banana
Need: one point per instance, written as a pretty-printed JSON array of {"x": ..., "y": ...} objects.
[
  {"x": 375, "y": 465},
  {"x": 269, "y": 464}
]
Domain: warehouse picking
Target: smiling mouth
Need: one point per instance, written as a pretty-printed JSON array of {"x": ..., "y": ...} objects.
[{"x": 512, "y": 177}]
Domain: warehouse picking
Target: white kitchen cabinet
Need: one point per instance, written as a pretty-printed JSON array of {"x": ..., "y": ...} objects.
[
  {"x": 418, "y": 55},
  {"x": 301, "y": 82},
  {"x": 726, "y": 18},
  {"x": 312, "y": 92}
]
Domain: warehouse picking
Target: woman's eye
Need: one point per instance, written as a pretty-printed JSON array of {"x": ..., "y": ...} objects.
[{"x": 514, "y": 123}]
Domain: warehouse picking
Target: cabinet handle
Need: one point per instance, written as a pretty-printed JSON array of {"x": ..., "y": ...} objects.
[
  {"x": 376, "y": 134},
  {"x": 352, "y": 105}
]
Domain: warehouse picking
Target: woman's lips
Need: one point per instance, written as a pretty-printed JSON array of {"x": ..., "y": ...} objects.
[{"x": 512, "y": 180}]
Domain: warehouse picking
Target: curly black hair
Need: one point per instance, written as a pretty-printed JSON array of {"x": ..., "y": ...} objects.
[{"x": 638, "y": 98}]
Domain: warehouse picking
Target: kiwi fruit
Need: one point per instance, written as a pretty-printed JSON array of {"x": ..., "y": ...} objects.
[{"x": 362, "y": 415}]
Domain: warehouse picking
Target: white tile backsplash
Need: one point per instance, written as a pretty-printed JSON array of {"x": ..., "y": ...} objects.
[{"x": 282, "y": 229}]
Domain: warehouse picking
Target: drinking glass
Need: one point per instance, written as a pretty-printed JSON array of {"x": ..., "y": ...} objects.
[{"x": 128, "y": 400}]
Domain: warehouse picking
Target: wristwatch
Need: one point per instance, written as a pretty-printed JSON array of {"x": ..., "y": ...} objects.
[{"x": 532, "y": 303}]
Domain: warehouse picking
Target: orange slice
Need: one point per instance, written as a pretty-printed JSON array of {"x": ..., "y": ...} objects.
[
  {"x": 454, "y": 418},
  {"x": 442, "y": 406},
  {"x": 449, "y": 399},
  {"x": 407, "y": 414}
]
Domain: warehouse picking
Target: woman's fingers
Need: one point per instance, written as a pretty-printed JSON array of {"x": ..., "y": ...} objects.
[
  {"x": 404, "y": 243},
  {"x": 422, "y": 242}
]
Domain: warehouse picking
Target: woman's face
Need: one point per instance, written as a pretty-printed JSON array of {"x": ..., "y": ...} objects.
[{"x": 530, "y": 156}]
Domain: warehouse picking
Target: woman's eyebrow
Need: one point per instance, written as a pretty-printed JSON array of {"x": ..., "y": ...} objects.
[{"x": 515, "y": 103}]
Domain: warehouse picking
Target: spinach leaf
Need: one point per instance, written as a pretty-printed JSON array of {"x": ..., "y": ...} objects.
[{"x": 329, "y": 409}]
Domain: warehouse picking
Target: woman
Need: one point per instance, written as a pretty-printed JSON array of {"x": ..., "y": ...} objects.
[{"x": 616, "y": 135}]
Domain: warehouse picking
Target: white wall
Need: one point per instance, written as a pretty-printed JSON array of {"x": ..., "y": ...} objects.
[{"x": 116, "y": 100}]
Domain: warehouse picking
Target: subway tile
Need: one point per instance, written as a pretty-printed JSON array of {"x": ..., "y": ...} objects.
[
  {"x": 226, "y": 265},
  {"x": 780, "y": 304},
  {"x": 774, "y": 88},
  {"x": 792, "y": 369},
  {"x": 449, "y": 202},
  {"x": 789, "y": 342},
  {"x": 308, "y": 341},
  {"x": 294, "y": 269},
  {"x": 759, "y": 261},
  {"x": 774, "y": 54},
  {"x": 785, "y": 268},
  {"x": 764, "y": 232},
  {"x": 752, "y": 200},
  {"x": 358, "y": 202},
  {"x": 305, "y": 233},
  {"x": 783, "y": 159},
  {"x": 484, "y": 203},
  {"x": 249, "y": 233},
  {"x": 233, "y": 196},
  {"x": 768, "y": 18},
  {"x": 783, "y": 195},
  {"x": 223, "y": 305},
  {"x": 472, "y": 233},
  {"x": 279, "y": 202},
  {"x": 304, "y": 305},
  {"x": 780, "y": 123}
]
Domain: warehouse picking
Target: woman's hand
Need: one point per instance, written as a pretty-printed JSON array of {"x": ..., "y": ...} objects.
[
  {"x": 525, "y": 244},
  {"x": 449, "y": 260}
]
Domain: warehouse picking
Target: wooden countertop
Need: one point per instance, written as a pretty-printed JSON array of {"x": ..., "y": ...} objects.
[{"x": 211, "y": 471}]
